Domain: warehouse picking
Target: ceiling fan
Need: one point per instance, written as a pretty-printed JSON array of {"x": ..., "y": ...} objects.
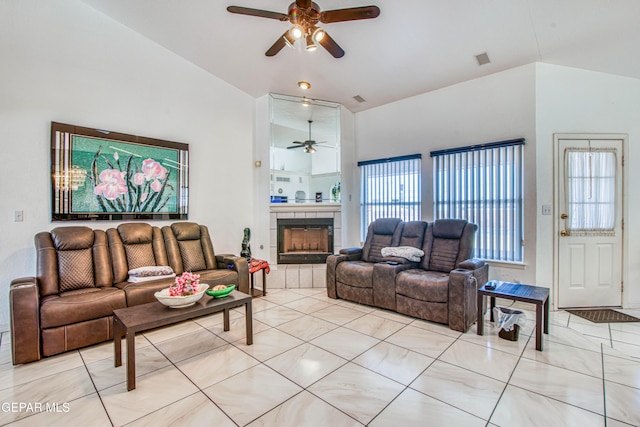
[
  {"x": 304, "y": 16},
  {"x": 308, "y": 144}
]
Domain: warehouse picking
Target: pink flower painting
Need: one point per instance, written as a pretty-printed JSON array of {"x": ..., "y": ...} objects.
[
  {"x": 130, "y": 184},
  {"x": 111, "y": 185}
]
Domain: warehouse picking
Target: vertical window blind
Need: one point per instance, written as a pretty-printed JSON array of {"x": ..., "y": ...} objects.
[
  {"x": 390, "y": 188},
  {"x": 484, "y": 185}
]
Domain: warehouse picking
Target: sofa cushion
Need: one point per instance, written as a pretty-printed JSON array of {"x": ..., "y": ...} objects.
[
  {"x": 139, "y": 255},
  {"x": 192, "y": 255},
  {"x": 444, "y": 253},
  {"x": 79, "y": 306},
  {"x": 423, "y": 285},
  {"x": 75, "y": 269},
  {"x": 381, "y": 233},
  {"x": 134, "y": 233},
  {"x": 186, "y": 230},
  {"x": 355, "y": 273}
]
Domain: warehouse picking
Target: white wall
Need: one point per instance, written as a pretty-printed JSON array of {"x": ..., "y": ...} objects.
[
  {"x": 572, "y": 100},
  {"x": 492, "y": 108},
  {"x": 63, "y": 61}
]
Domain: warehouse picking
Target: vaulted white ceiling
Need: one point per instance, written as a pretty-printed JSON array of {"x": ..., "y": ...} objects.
[{"x": 413, "y": 47}]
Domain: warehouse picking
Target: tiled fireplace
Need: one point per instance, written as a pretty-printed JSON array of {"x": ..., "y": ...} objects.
[
  {"x": 303, "y": 264},
  {"x": 304, "y": 240}
]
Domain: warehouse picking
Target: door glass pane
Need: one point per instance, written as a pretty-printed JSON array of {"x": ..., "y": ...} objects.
[{"x": 590, "y": 191}]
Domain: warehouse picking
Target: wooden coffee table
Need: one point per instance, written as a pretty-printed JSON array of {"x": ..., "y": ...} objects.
[
  {"x": 514, "y": 291},
  {"x": 139, "y": 318}
]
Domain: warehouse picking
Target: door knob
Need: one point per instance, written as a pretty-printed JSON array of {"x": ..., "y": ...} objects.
[
  {"x": 564, "y": 233},
  {"x": 563, "y": 216}
]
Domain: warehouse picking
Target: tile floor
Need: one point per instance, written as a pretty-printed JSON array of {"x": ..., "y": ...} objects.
[{"x": 322, "y": 362}]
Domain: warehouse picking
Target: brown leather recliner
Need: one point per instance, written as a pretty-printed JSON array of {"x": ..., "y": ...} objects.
[
  {"x": 134, "y": 245},
  {"x": 71, "y": 301},
  {"x": 440, "y": 288},
  {"x": 189, "y": 248},
  {"x": 443, "y": 289},
  {"x": 362, "y": 274}
]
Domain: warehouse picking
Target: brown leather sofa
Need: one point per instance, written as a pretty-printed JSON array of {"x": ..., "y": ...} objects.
[
  {"x": 82, "y": 277},
  {"x": 440, "y": 288}
]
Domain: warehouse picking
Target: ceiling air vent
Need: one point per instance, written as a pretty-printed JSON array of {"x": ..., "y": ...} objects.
[
  {"x": 483, "y": 58},
  {"x": 359, "y": 99},
  {"x": 283, "y": 179}
]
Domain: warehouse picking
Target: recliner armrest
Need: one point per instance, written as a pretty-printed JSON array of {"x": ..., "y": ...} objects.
[
  {"x": 24, "y": 305},
  {"x": 351, "y": 251},
  {"x": 472, "y": 264},
  {"x": 463, "y": 287},
  {"x": 240, "y": 265}
]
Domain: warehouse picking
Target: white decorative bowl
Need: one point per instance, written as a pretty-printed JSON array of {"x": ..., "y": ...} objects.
[{"x": 180, "y": 302}]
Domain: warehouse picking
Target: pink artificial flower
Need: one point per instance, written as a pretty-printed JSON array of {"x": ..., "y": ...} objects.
[
  {"x": 185, "y": 284},
  {"x": 112, "y": 184}
]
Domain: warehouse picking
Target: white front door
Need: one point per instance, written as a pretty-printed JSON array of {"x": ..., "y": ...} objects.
[{"x": 589, "y": 189}]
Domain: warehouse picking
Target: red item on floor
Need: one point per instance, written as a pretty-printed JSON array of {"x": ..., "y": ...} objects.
[{"x": 258, "y": 264}]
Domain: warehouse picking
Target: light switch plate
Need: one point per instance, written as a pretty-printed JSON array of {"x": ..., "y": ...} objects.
[
  {"x": 18, "y": 216},
  {"x": 546, "y": 210}
]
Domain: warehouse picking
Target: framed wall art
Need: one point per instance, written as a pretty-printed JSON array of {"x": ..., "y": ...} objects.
[{"x": 104, "y": 175}]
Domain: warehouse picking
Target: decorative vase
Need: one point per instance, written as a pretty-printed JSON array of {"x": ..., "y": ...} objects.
[{"x": 335, "y": 192}]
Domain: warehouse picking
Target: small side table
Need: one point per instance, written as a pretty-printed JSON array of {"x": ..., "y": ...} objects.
[
  {"x": 256, "y": 265},
  {"x": 537, "y": 295}
]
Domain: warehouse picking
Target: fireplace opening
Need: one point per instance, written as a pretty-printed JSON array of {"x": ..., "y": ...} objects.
[{"x": 305, "y": 240}]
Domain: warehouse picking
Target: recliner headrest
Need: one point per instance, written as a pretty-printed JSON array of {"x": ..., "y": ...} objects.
[
  {"x": 132, "y": 233},
  {"x": 385, "y": 225},
  {"x": 449, "y": 228},
  {"x": 72, "y": 238},
  {"x": 414, "y": 229},
  {"x": 186, "y": 230}
]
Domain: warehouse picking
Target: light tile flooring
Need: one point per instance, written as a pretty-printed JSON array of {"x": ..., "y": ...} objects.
[{"x": 322, "y": 362}]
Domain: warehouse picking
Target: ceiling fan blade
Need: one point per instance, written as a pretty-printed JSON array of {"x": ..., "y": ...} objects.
[
  {"x": 350, "y": 14},
  {"x": 258, "y": 12},
  {"x": 296, "y": 146},
  {"x": 277, "y": 46},
  {"x": 332, "y": 47}
]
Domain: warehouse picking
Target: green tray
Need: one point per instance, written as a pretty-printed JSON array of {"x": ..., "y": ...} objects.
[{"x": 220, "y": 293}]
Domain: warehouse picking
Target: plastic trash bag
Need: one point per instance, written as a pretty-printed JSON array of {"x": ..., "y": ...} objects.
[{"x": 507, "y": 318}]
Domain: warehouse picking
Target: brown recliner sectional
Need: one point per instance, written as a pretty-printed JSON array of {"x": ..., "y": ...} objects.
[
  {"x": 440, "y": 288},
  {"x": 82, "y": 277}
]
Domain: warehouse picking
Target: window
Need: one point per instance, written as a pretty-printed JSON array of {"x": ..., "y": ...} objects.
[
  {"x": 483, "y": 184},
  {"x": 390, "y": 188},
  {"x": 590, "y": 191}
]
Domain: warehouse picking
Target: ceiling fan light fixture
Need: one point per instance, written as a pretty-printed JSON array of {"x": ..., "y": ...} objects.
[
  {"x": 296, "y": 31},
  {"x": 304, "y": 85},
  {"x": 310, "y": 150},
  {"x": 318, "y": 34},
  {"x": 311, "y": 46}
]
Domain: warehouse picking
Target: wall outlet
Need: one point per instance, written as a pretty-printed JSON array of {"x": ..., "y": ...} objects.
[
  {"x": 546, "y": 210},
  {"x": 18, "y": 216}
]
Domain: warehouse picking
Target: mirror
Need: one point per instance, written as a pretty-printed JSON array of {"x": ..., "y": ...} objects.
[{"x": 305, "y": 150}]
